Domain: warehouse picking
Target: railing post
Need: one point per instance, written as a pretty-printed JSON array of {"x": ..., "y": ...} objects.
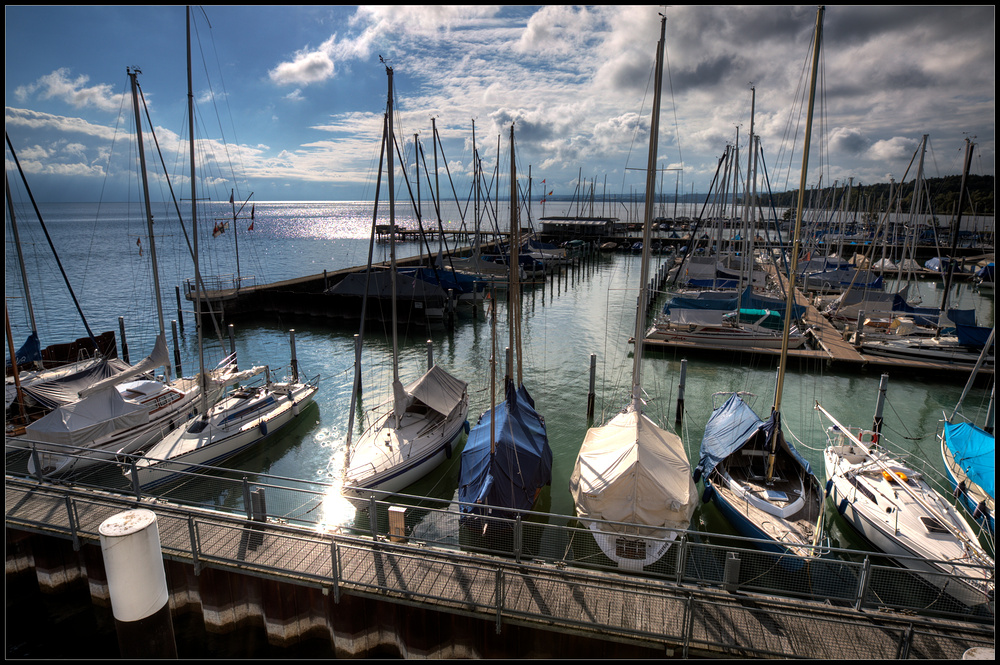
[
  {"x": 688, "y": 624},
  {"x": 498, "y": 595},
  {"x": 335, "y": 569},
  {"x": 194, "y": 546},
  {"x": 681, "y": 558},
  {"x": 72, "y": 524},
  {"x": 247, "y": 501},
  {"x": 136, "y": 487},
  {"x": 517, "y": 538},
  {"x": 373, "y": 517},
  {"x": 866, "y": 571}
]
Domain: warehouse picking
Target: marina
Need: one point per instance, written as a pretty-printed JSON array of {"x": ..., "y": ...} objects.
[{"x": 331, "y": 449}]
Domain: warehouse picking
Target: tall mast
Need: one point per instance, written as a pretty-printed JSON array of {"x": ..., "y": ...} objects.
[
  {"x": 132, "y": 74},
  {"x": 790, "y": 295},
  {"x": 194, "y": 227},
  {"x": 397, "y": 387},
  {"x": 640, "y": 314},
  {"x": 20, "y": 256}
]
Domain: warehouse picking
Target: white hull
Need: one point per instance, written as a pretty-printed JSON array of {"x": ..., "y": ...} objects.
[
  {"x": 894, "y": 523},
  {"x": 226, "y": 434},
  {"x": 389, "y": 458},
  {"x": 630, "y": 551}
]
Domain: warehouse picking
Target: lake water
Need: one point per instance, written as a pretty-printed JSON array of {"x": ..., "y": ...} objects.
[{"x": 566, "y": 318}]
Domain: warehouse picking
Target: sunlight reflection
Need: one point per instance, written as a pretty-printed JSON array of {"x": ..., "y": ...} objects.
[{"x": 335, "y": 510}]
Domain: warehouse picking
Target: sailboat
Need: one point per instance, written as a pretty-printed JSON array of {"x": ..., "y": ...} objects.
[
  {"x": 969, "y": 455},
  {"x": 123, "y": 413},
  {"x": 631, "y": 482},
  {"x": 417, "y": 430},
  {"x": 246, "y": 416},
  {"x": 506, "y": 460},
  {"x": 756, "y": 478},
  {"x": 894, "y": 508}
]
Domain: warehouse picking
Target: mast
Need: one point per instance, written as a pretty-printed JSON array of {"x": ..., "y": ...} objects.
[
  {"x": 397, "y": 387},
  {"x": 20, "y": 258},
  {"x": 640, "y": 314},
  {"x": 956, "y": 227},
  {"x": 514, "y": 264},
  {"x": 194, "y": 228},
  {"x": 790, "y": 295},
  {"x": 132, "y": 74}
]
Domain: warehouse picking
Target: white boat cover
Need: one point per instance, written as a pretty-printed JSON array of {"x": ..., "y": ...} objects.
[
  {"x": 160, "y": 357},
  {"x": 84, "y": 421},
  {"x": 438, "y": 389},
  {"x": 632, "y": 471},
  {"x": 50, "y": 388}
]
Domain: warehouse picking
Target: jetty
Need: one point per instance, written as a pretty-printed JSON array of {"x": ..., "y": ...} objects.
[{"x": 396, "y": 585}]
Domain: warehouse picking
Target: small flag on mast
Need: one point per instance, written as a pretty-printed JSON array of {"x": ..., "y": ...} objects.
[
  {"x": 250, "y": 228},
  {"x": 138, "y": 243}
]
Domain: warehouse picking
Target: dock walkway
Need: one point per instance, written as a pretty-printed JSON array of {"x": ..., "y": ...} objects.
[{"x": 678, "y": 619}]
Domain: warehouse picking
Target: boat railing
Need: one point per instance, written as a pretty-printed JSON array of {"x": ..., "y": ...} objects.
[
  {"x": 848, "y": 578},
  {"x": 215, "y": 284}
]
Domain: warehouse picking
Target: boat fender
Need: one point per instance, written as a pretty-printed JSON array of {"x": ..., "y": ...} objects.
[
  {"x": 959, "y": 489},
  {"x": 829, "y": 486},
  {"x": 465, "y": 426},
  {"x": 706, "y": 496},
  {"x": 981, "y": 512},
  {"x": 263, "y": 428},
  {"x": 697, "y": 474},
  {"x": 842, "y": 506},
  {"x": 447, "y": 450}
]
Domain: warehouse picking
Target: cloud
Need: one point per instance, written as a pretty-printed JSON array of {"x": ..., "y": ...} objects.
[{"x": 58, "y": 85}]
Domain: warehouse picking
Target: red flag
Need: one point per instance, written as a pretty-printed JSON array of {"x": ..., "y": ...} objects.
[
  {"x": 549, "y": 194},
  {"x": 216, "y": 231},
  {"x": 543, "y": 181},
  {"x": 138, "y": 243}
]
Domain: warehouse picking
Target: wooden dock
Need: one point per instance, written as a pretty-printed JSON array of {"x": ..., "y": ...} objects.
[
  {"x": 301, "y": 582},
  {"x": 836, "y": 351}
]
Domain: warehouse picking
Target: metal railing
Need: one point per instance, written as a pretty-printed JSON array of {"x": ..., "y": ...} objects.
[{"x": 848, "y": 579}]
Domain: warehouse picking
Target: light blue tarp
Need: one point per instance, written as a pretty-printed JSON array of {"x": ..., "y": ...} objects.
[
  {"x": 509, "y": 477},
  {"x": 731, "y": 427},
  {"x": 974, "y": 451}
]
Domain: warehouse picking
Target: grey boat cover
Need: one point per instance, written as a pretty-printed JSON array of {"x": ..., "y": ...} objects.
[
  {"x": 66, "y": 389},
  {"x": 438, "y": 389},
  {"x": 84, "y": 421},
  {"x": 408, "y": 287}
]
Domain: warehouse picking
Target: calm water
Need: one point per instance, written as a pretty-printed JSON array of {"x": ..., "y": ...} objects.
[{"x": 588, "y": 310}]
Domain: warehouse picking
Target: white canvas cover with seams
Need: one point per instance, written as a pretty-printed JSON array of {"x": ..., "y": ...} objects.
[
  {"x": 93, "y": 417},
  {"x": 632, "y": 471},
  {"x": 438, "y": 389},
  {"x": 160, "y": 357}
]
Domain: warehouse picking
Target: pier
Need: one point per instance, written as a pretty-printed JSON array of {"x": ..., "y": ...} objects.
[{"x": 397, "y": 587}]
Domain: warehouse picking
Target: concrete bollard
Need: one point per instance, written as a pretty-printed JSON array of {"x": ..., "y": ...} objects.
[{"x": 130, "y": 543}]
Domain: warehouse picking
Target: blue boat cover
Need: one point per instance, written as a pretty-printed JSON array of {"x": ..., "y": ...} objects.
[
  {"x": 731, "y": 427},
  {"x": 510, "y": 476},
  {"x": 445, "y": 278},
  {"x": 974, "y": 336},
  {"x": 30, "y": 351},
  {"x": 975, "y": 452}
]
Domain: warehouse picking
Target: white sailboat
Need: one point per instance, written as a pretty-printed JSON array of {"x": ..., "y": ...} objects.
[
  {"x": 416, "y": 430},
  {"x": 895, "y": 509},
  {"x": 245, "y": 417},
  {"x": 632, "y": 481}
]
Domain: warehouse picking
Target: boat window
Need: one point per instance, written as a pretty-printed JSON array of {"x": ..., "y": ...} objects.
[
  {"x": 933, "y": 526},
  {"x": 861, "y": 488}
]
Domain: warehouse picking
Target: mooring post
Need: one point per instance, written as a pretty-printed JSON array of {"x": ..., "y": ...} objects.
[
  {"x": 133, "y": 561},
  {"x": 430, "y": 353},
  {"x": 232, "y": 346},
  {"x": 357, "y": 363},
  {"x": 180, "y": 316},
  {"x": 177, "y": 348},
  {"x": 590, "y": 395},
  {"x": 295, "y": 357},
  {"x": 121, "y": 331},
  {"x": 680, "y": 394},
  {"x": 877, "y": 424}
]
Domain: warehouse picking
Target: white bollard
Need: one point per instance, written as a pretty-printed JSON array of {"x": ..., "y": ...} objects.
[{"x": 130, "y": 542}]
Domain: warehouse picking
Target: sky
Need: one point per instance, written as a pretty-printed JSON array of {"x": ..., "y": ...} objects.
[{"x": 290, "y": 100}]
